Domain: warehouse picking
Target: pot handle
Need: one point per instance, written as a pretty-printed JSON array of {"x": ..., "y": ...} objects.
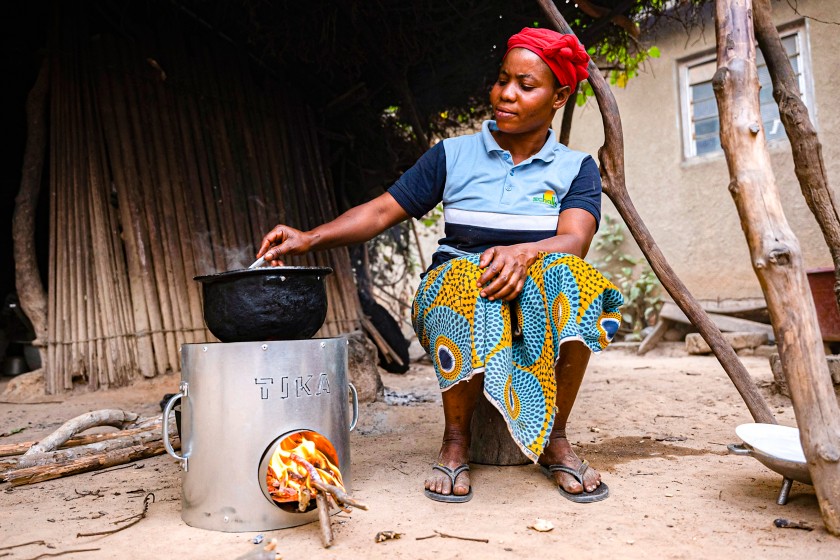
[
  {"x": 738, "y": 449},
  {"x": 355, "y": 406},
  {"x": 182, "y": 392}
]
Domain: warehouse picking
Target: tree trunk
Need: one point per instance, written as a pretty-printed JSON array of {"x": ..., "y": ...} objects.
[
  {"x": 804, "y": 142},
  {"x": 491, "y": 442},
  {"x": 775, "y": 253},
  {"x": 611, "y": 156},
  {"x": 30, "y": 290},
  {"x": 568, "y": 115}
]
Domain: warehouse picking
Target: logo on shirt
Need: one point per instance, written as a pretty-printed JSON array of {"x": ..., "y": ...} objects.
[{"x": 548, "y": 198}]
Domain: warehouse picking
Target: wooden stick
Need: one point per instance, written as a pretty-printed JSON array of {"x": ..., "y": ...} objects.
[
  {"x": 324, "y": 519},
  {"x": 381, "y": 343},
  {"x": 318, "y": 483},
  {"x": 96, "y": 448},
  {"x": 775, "y": 253},
  {"x": 611, "y": 156},
  {"x": 30, "y": 290},
  {"x": 105, "y": 417},
  {"x": 34, "y": 475},
  {"x": 339, "y": 494},
  {"x": 12, "y": 449}
]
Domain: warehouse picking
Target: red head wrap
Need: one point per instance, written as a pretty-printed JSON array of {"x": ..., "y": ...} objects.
[{"x": 563, "y": 53}]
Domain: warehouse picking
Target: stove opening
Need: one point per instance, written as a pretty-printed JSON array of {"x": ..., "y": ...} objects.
[{"x": 293, "y": 468}]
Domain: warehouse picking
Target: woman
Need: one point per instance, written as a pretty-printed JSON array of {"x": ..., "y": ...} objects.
[{"x": 507, "y": 285}]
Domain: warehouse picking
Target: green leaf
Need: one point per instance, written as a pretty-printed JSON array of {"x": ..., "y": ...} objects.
[{"x": 653, "y": 52}]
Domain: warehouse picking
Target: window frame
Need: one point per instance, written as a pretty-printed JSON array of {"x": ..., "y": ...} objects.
[{"x": 796, "y": 28}]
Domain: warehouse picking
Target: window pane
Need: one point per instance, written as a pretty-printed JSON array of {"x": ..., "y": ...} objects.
[
  {"x": 702, "y": 91},
  {"x": 791, "y": 44},
  {"x": 704, "y": 127},
  {"x": 763, "y": 75},
  {"x": 704, "y": 122},
  {"x": 794, "y": 61},
  {"x": 708, "y": 145},
  {"x": 704, "y": 109},
  {"x": 766, "y": 94},
  {"x": 773, "y": 129}
]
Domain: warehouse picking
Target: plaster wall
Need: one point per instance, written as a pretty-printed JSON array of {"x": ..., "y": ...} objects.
[{"x": 685, "y": 202}]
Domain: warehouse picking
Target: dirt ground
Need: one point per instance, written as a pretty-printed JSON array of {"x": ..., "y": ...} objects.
[{"x": 656, "y": 426}]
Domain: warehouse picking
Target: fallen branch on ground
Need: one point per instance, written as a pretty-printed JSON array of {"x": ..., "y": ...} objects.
[
  {"x": 64, "y": 455},
  {"x": 448, "y": 536},
  {"x": 135, "y": 519},
  {"x": 31, "y": 475},
  {"x": 107, "y": 417},
  {"x": 62, "y": 553},
  {"x": 12, "y": 449}
]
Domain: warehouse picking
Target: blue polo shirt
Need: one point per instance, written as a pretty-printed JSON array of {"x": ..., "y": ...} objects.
[{"x": 489, "y": 201}]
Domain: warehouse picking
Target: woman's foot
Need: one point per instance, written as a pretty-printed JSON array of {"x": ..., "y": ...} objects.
[
  {"x": 452, "y": 455},
  {"x": 559, "y": 452}
]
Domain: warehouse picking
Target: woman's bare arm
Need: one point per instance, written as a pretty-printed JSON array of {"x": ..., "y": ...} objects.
[{"x": 357, "y": 225}]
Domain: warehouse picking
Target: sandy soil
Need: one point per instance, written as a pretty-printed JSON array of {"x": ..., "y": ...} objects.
[{"x": 674, "y": 498}]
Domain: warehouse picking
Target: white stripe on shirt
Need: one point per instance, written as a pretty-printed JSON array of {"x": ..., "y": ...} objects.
[{"x": 495, "y": 220}]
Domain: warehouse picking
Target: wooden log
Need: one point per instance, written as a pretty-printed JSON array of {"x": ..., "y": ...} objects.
[
  {"x": 106, "y": 417},
  {"x": 566, "y": 121},
  {"x": 805, "y": 145},
  {"x": 61, "y": 456},
  {"x": 30, "y": 290},
  {"x": 324, "y": 519},
  {"x": 724, "y": 322},
  {"x": 491, "y": 442},
  {"x": 52, "y": 280},
  {"x": 12, "y": 449},
  {"x": 34, "y": 475},
  {"x": 390, "y": 355},
  {"x": 611, "y": 156},
  {"x": 775, "y": 253}
]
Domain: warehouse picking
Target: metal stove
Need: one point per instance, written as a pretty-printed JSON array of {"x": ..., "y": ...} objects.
[{"x": 238, "y": 401}]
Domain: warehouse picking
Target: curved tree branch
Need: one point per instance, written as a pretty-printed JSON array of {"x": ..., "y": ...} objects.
[
  {"x": 611, "y": 156},
  {"x": 30, "y": 290},
  {"x": 804, "y": 143}
]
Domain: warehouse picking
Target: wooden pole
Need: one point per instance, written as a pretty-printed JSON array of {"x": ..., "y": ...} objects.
[
  {"x": 30, "y": 290},
  {"x": 804, "y": 143},
  {"x": 775, "y": 253},
  {"x": 611, "y": 156}
]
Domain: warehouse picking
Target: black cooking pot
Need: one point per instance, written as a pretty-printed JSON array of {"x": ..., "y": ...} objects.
[{"x": 271, "y": 303}]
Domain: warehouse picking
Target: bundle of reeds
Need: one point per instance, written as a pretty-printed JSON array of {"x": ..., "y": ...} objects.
[{"x": 161, "y": 170}]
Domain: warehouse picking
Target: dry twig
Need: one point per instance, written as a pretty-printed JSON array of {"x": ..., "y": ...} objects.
[
  {"x": 62, "y": 553},
  {"x": 22, "y": 544},
  {"x": 135, "y": 519}
]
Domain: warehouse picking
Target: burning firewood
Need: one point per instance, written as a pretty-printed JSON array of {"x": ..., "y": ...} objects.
[{"x": 298, "y": 470}]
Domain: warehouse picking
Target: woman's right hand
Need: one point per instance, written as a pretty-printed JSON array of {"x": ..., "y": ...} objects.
[{"x": 281, "y": 241}]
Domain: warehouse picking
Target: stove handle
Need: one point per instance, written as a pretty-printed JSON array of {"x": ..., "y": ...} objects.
[
  {"x": 165, "y": 425},
  {"x": 355, "y": 406}
]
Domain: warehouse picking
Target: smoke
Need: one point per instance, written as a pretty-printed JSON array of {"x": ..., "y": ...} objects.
[{"x": 207, "y": 253}]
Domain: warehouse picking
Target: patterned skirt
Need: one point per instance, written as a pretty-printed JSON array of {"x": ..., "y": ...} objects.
[{"x": 563, "y": 299}]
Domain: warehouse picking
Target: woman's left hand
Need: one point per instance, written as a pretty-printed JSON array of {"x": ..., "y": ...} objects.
[{"x": 506, "y": 270}]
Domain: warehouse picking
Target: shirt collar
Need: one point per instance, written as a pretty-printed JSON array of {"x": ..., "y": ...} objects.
[{"x": 546, "y": 153}]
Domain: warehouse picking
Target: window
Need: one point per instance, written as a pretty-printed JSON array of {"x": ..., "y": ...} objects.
[{"x": 701, "y": 125}]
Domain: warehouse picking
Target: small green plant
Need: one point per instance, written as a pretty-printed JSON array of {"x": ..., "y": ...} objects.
[{"x": 638, "y": 284}]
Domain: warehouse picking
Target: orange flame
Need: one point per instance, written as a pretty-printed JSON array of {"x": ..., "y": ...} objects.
[{"x": 287, "y": 480}]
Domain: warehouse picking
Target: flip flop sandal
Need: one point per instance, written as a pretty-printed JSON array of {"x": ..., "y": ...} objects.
[
  {"x": 452, "y": 474},
  {"x": 600, "y": 493}
]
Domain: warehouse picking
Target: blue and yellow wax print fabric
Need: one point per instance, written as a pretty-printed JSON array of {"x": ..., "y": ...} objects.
[{"x": 563, "y": 299}]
